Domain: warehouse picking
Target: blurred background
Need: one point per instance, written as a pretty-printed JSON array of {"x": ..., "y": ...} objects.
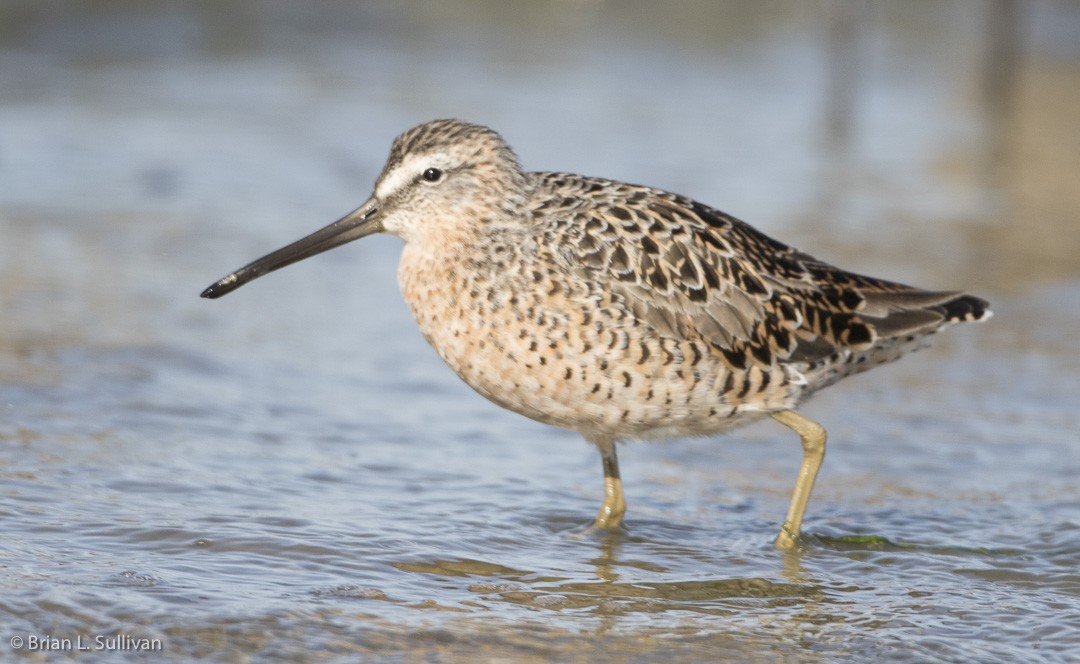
[
  {"x": 291, "y": 471},
  {"x": 943, "y": 133}
]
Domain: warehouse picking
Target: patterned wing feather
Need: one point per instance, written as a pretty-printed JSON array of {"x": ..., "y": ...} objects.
[{"x": 690, "y": 271}]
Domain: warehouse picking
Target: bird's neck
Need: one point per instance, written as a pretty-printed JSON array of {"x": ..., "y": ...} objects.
[{"x": 445, "y": 263}]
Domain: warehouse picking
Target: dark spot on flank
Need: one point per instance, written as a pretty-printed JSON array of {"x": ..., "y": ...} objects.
[
  {"x": 649, "y": 245},
  {"x": 859, "y": 334},
  {"x": 669, "y": 357},
  {"x": 697, "y": 354},
  {"x": 744, "y": 390},
  {"x": 734, "y": 356},
  {"x": 644, "y": 352},
  {"x": 761, "y": 353},
  {"x": 620, "y": 213},
  {"x": 626, "y": 378}
]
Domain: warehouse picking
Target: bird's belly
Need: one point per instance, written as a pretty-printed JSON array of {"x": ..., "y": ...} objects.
[
  {"x": 552, "y": 359},
  {"x": 609, "y": 396}
]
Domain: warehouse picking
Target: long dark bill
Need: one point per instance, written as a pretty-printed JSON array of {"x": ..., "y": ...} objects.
[{"x": 361, "y": 222}]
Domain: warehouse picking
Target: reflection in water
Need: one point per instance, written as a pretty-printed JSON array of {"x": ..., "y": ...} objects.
[{"x": 614, "y": 602}]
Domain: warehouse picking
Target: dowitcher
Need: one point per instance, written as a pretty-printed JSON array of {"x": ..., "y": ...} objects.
[{"x": 616, "y": 310}]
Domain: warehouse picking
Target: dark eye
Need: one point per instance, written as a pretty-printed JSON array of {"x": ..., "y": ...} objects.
[{"x": 433, "y": 175}]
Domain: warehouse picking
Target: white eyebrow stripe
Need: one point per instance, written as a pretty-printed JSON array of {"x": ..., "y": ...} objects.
[{"x": 406, "y": 171}]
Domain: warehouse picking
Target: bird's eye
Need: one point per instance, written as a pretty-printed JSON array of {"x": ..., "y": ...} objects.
[{"x": 432, "y": 175}]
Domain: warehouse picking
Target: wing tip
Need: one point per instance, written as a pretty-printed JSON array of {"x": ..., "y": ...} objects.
[{"x": 967, "y": 309}]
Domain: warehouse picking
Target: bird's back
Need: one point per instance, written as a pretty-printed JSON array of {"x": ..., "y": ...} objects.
[{"x": 692, "y": 273}]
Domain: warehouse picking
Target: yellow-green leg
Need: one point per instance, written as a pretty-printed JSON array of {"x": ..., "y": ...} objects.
[
  {"x": 813, "y": 444},
  {"x": 614, "y": 506}
]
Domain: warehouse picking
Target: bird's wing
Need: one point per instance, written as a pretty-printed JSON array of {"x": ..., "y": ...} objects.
[{"x": 692, "y": 272}]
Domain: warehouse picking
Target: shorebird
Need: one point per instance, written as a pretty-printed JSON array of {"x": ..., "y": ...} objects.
[{"x": 616, "y": 310}]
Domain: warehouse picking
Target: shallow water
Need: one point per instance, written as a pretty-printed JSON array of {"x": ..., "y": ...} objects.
[{"x": 290, "y": 472}]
